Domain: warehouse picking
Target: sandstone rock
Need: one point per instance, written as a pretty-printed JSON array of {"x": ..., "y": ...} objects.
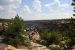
[{"x": 9, "y": 47}]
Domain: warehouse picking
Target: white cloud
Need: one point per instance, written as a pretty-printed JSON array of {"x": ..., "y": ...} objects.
[
  {"x": 37, "y": 5},
  {"x": 50, "y": 16},
  {"x": 27, "y": 14},
  {"x": 58, "y": 15},
  {"x": 1, "y": 8},
  {"x": 8, "y": 8},
  {"x": 16, "y": 1},
  {"x": 26, "y": 9},
  {"x": 57, "y": 5}
]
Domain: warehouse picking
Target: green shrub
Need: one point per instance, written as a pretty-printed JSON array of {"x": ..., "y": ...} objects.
[
  {"x": 50, "y": 37},
  {"x": 70, "y": 42},
  {"x": 15, "y": 31}
]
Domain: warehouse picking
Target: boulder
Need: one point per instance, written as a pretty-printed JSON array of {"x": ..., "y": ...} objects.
[{"x": 9, "y": 47}]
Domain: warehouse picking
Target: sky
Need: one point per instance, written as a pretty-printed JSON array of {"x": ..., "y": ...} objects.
[{"x": 36, "y": 9}]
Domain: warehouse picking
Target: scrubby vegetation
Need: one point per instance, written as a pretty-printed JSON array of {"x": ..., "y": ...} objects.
[
  {"x": 15, "y": 34},
  {"x": 56, "y": 36}
]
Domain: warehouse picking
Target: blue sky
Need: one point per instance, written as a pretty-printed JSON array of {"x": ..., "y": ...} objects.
[{"x": 36, "y": 9}]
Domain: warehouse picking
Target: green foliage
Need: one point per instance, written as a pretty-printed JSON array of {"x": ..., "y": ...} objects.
[
  {"x": 55, "y": 36},
  {"x": 50, "y": 37},
  {"x": 70, "y": 42},
  {"x": 15, "y": 31}
]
